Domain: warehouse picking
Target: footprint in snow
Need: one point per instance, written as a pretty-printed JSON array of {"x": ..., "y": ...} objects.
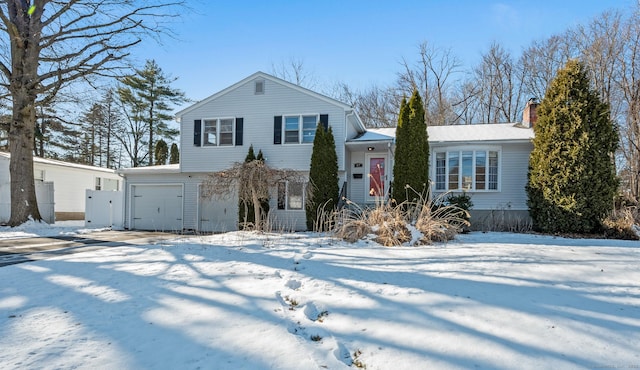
[{"x": 293, "y": 284}]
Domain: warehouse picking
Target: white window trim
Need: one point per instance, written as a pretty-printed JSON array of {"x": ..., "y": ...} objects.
[
  {"x": 461, "y": 149},
  {"x": 300, "y": 127},
  {"x": 217, "y": 145},
  {"x": 286, "y": 196}
]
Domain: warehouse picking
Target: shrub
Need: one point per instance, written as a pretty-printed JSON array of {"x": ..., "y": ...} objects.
[{"x": 417, "y": 222}]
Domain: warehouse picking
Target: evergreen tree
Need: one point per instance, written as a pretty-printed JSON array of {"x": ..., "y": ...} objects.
[
  {"x": 161, "y": 152},
  {"x": 149, "y": 91},
  {"x": 571, "y": 179},
  {"x": 174, "y": 156},
  {"x": 411, "y": 166},
  {"x": 323, "y": 189}
]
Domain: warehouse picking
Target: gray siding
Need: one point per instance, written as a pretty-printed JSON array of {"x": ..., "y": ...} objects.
[
  {"x": 514, "y": 162},
  {"x": 258, "y": 112}
]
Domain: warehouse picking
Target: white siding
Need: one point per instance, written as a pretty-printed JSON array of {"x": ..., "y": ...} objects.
[
  {"x": 356, "y": 186},
  {"x": 71, "y": 184},
  {"x": 258, "y": 112}
]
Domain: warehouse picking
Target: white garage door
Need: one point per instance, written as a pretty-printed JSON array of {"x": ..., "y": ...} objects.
[
  {"x": 218, "y": 214},
  {"x": 157, "y": 207}
]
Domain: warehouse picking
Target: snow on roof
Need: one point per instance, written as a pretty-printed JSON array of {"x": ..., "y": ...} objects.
[
  {"x": 167, "y": 168},
  {"x": 466, "y": 133},
  {"x": 55, "y": 162},
  {"x": 373, "y": 135}
]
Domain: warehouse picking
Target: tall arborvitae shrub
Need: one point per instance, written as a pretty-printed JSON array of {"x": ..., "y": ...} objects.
[
  {"x": 411, "y": 166},
  {"x": 572, "y": 181},
  {"x": 161, "y": 152},
  {"x": 174, "y": 154},
  {"x": 323, "y": 189}
]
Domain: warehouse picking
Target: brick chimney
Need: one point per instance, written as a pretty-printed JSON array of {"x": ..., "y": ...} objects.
[{"x": 530, "y": 114}]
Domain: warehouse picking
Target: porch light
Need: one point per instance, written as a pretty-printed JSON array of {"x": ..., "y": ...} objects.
[{"x": 370, "y": 148}]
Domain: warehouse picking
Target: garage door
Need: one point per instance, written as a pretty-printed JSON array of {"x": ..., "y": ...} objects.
[
  {"x": 218, "y": 214},
  {"x": 157, "y": 207}
]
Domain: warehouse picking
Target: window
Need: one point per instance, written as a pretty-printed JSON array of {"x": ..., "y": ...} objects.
[
  {"x": 468, "y": 170},
  {"x": 291, "y": 195},
  {"x": 218, "y": 132},
  {"x": 259, "y": 87},
  {"x": 110, "y": 184},
  {"x": 300, "y": 129}
]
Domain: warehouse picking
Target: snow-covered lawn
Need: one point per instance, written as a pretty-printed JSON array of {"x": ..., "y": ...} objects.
[{"x": 303, "y": 301}]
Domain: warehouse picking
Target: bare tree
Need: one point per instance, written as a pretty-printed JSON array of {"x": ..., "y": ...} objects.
[
  {"x": 375, "y": 105},
  {"x": 257, "y": 179},
  {"x": 499, "y": 98},
  {"x": 48, "y": 45},
  {"x": 433, "y": 77},
  {"x": 294, "y": 71},
  {"x": 541, "y": 61},
  {"x": 629, "y": 84}
]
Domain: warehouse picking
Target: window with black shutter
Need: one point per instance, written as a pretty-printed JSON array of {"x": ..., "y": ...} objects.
[{"x": 197, "y": 131}]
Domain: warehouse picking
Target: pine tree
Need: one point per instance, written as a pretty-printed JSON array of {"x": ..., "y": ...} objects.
[
  {"x": 411, "y": 166},
  {"x": 174, "y": 156},
  {"x": 149, "y": 91},
  {"x": 161, "y": 152},
  {"x": 323, "y": 189},
  {"x": 571, "y": 179}
]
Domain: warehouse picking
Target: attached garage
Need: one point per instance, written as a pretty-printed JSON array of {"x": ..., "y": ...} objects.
[
  {"x": 156, "y": 207},
  {"x": 219, "y": 214}
]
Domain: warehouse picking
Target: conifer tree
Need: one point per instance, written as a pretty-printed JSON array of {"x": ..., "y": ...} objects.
[
  {"x": 149, "y": 91},
  {"x": 323, "y": 189},
  {"x": 161, "y": 152},
  {"x": 174, "y": 156},
  {"x": 411, "y": 167},
  {"x": 571, "y": 179}
]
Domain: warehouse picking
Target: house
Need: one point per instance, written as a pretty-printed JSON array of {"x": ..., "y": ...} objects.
[
  {"x": 279, "y": 118},
  {"x": 68, "y": 183}
]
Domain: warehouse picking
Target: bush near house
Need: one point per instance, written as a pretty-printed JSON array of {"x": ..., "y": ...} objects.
[
  {"x": 571, "y": 180},
  {"x": 411, "y": 163},
  {"x": 323, "y": 190},
  {"x": 246, "y": 210}
]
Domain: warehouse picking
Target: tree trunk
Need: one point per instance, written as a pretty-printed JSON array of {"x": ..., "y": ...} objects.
[{"x": 21, "y": 135}]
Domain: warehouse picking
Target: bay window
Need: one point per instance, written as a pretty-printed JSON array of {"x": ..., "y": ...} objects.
[{"x": 467, "y": 170}]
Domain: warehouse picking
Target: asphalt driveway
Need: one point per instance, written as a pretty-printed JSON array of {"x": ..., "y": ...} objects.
[{"x": 13, "y": 251}]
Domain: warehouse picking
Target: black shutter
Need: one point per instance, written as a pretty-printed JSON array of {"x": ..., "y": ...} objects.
[
  {"x": 324, "y": 120},
  {"x": 239, "y": 127},
  {"x": 277, "y": 130},
  {"x": 197, "y": 131}
]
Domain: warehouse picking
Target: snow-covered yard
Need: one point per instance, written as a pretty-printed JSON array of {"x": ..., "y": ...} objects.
[{"x": 303, "y": 301}]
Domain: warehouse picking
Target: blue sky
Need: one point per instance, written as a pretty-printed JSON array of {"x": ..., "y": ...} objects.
[{"x": 357, "y": 42}]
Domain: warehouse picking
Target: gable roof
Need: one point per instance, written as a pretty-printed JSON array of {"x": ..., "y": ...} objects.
[
  {"x": 266, "y": 77},
  {"x": 470, "y": 133},
  {"x": 55, "y": 162}
]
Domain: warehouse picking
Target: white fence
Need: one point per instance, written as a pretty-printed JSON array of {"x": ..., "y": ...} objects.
[
  {"x": 104, "y": 209},
  {"x": 44, "y": 195}
]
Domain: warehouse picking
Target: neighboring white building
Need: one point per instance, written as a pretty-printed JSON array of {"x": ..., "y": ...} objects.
[
  {"x": 70, "y": 181},
  {"x": 279, "y": 118}
]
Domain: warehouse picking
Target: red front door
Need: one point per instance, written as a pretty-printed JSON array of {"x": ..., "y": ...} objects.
[{"x": 376, "y": 176}]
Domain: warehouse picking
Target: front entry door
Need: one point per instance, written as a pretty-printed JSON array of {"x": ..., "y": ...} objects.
[{"x": 376, "y": 177}]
